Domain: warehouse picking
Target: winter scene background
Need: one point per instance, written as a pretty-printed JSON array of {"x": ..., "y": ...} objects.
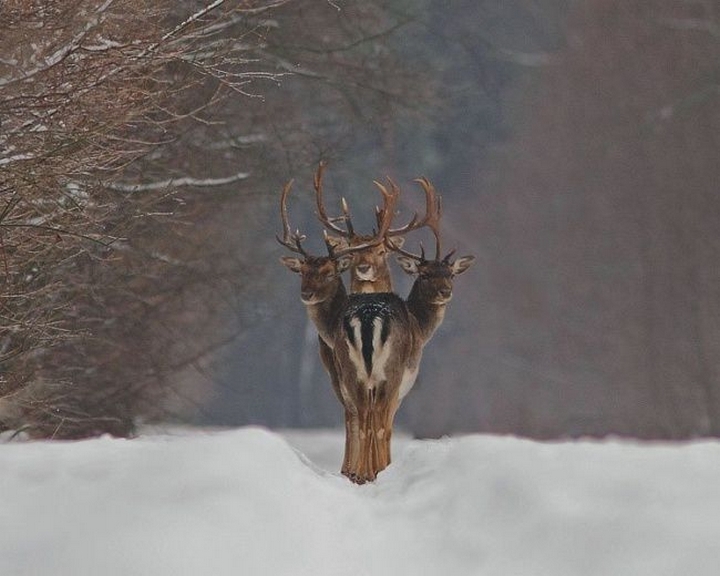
[{"x": 163, "y": 409}]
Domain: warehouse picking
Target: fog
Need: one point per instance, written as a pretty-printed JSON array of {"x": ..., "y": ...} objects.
[{"x": 575, "y": 146}]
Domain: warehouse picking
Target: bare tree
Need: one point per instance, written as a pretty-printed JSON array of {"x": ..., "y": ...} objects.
[
  {"x": 137, "y": 143},
  {"x": 87, "y": 89}
]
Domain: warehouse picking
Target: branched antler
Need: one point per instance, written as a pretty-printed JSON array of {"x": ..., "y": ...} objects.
[
  {"x": 384, "y": 215},
  {"x": 431, "y": 219},
  {"x": 292, "y": 241},
  {"x": 326, "y": 221}
]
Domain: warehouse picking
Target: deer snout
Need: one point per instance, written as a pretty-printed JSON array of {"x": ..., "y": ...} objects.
[
  {"x": 307, "y": 295},
  {"x": 445, "y": 294},
  {"x": 365, "y": 271}
]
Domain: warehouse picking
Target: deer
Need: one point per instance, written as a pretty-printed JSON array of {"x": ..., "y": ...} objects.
[
  {"x": 322, "y": 290},
  {"x": 371, "y": 343},
  {"x": 369, "y": 271},
  {"x": 432, "y": 289},
  {"x": 378, "y": 346}
]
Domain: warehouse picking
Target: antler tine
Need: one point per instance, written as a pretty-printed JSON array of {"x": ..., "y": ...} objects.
[
  {"x": 289, "y": 240},
  {"x": 432, "y": 211},
  {"x": 346, "y": 218},
  {"x": 431, "y": 219},
  {"x": 419, "y": 257},
  {"x": 386, "y": 214},
  {"x": 326, "y": 221},
  {"x": 449, "y": 256}
]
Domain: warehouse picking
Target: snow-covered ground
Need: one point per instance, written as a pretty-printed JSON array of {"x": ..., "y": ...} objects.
[{"x": 253, "y": 502}]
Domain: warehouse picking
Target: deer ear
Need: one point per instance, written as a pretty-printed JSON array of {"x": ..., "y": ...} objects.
[
  {"x": 343, "y": 263},
  {"x": 409, "y": 265},
  {"x": 462, "y": 264},
  {"x": 294, "y": 264}
]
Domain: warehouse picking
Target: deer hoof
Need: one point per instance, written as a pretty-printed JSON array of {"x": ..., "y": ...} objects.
[{"x": 360, "y": 479}]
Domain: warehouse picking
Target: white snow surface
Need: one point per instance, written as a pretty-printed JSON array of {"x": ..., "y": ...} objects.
[{"x": 254, "y": 502}]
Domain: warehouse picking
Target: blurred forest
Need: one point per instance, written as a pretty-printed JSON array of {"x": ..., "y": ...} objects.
[{"x": 143, "y": 147}]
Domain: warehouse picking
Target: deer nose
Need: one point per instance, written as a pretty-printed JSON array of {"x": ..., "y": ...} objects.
[
  {"x": 363, "y": 268},
  {"x": 446, "y": 293},
  {"x": 307, "y": 294}
]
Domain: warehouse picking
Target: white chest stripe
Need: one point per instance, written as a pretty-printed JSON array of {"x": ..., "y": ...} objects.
[
  {"x": 355, "y": 351},
  {"x": 380, "y": 353}
]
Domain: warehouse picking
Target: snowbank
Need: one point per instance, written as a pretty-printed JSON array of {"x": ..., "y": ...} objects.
[{"x": 246, "y": 502}]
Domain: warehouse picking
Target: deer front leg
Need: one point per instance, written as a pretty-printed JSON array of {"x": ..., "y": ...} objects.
[
  {"x": 368, "y": 445},
  {"x": 352, "y": 443},
  {"x": 374, "y": 439},
  {"x": 345, "y": 468},
  {"x": 364, "y": 472},
  {"x": 383, "y": 411},
  {"x": 363, "y": 450},
  {"x": 385, "y": 432}
]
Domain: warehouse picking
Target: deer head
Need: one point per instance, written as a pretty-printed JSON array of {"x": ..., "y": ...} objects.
[
  {"x": 369, "y": 270},
  {"x": 434, "y": 281},
  {"x": 320, "y": 275},
  {"x": 433, "y": 285}
]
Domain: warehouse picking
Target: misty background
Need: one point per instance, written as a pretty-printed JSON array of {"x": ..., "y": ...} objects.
[
  {"x": 575, "y": 144},
  {"x": 576, "y": 148}
]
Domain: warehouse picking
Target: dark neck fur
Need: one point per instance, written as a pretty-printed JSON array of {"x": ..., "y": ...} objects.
[
  {"x": 325, "y": 314},
  {"x": 429, "y": 316}
]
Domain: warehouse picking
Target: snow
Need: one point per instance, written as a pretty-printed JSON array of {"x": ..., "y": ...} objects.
[{"x": 250, "y": 501}]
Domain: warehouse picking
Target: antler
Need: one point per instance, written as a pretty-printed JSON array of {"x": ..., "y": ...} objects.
[
  {"x": 289, "y": 240},
  {"x": 433, "y": 211},
  {"x": 384, "y": 221},
  {"x": 322, "y": 214},
  {"x": 431, "y": 219},
  {"x": 384, "y": 215}
]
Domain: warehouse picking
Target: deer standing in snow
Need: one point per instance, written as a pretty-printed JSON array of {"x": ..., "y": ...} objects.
[
  {"x": 372, "y": 343},
  {"x": 369, "y": 270},
  {"x": 322, "y": 289},
  {"x": 370, "y": 274},
  {"x": 379, "y": 344}
]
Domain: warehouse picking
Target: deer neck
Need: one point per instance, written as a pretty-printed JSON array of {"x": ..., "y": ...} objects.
[
  {"x": 427, "y": 314},
  {"x": 324, "y": 314}
]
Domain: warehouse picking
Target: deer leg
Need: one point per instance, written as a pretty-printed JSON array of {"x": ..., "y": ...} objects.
[
  {"x": 376, "y": 439},
  {"x": 354, "y": 463},
  {"x": 348, "y": 444},
  {"x": 376, "y": 432},
  {"x": 382, "y": 435},
  {"x": 383, "y": 429},
  {"x": 383, "y": 412},
  {"x": 389, "y": 418},
  {"x": 368, "y": 455},
  {"x": 358, "y": 465},
  {"x": 352, "y": 444},
  {"x": 363, "y": 469}
]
